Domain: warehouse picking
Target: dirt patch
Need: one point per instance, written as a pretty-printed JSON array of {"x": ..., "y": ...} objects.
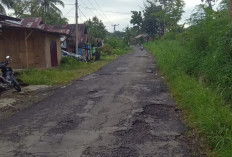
[
  {"x": 65, "y": 125},
  {"x": 158, "y": 111},
  {"x": 11, "y": 101},
  {"x": 110, "y": 152}
]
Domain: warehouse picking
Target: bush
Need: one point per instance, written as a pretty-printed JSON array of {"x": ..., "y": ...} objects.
[
  {"x": 115, "y": 43},
  {"x": 106, "y": 49},
  {"x": 170, "y": 36},
  {"x": 115, "y": 46}
]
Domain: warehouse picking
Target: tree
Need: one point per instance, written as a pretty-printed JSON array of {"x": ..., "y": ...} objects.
[
  {"x": 170, "y": 13},
  {"x": 6, "y": 3},
  {"x": 152, "y": 24},
  {"x": 137, "y": 19},
  {"x": 50, "y": 5},
  {"x": 159, "y": 16},
  {"x": 31, "y": 8},
  {"x": 53, "y": 18},
  {"x": 231, "y": 8},
  {"x": 129, "y": 34},
  {"x": 209, "y": 2},
  {"x": 96, "y": 29}
]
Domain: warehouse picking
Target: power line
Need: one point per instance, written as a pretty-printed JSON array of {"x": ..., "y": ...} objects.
[
  {"x": 108, "y": 11},
  {"x": 89, "y": 9},
  {"x": 95, "y": 9},
  {"x": 102, "y": 11},
  {"x": 69, "y": 11},
  {"x": 83, "y": 14}
]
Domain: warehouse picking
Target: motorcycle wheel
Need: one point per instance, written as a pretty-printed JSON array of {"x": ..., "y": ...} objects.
[{"x": 16, "y": 85}]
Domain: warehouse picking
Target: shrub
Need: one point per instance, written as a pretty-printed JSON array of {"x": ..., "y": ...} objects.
[{"x": 106, "y": 49}]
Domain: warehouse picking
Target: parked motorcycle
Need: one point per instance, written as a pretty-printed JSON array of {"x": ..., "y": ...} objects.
[{"x": 7, "y": 79}]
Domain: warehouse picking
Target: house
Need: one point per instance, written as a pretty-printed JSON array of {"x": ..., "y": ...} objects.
[
  {"x": 69, "y": 43},
  {"x": 29, "y": 43},
  {"x": 142, "y": 38}
]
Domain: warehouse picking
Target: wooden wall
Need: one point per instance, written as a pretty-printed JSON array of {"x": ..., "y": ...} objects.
[
  {"x": 47, "y": 42},
  {"x": 37, "y": 52}
]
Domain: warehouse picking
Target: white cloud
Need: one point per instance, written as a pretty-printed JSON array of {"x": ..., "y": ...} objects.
[{"x": 90, "y": 8}]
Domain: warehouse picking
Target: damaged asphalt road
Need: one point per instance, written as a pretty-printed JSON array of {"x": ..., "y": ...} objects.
[{"x": 124, "y": 110}]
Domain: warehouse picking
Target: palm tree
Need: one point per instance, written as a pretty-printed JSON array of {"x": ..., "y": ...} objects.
[
  {"x": 6, "y": 3},
  {"x": 50, "y": 5}
]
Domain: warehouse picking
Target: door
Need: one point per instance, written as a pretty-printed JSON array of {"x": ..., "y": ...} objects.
[{"x": 53, "y": 51}]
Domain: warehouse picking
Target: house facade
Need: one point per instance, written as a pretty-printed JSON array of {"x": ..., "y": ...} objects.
[
  {"x": 69, "y": 42},
  {"x": 29, "y": 44}
]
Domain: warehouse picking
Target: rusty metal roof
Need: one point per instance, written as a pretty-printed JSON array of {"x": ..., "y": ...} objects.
[
  {"x": 38, "y": 24},
  {"x": 11, "y": 23},
  {"x": 33, "y": 22},
  {"x": 82, "y": 31},
  {"x": 30, "y": 23},
  {"x": 5, "y": 17},
  {"x": 62, "y": 31},
  {"x": 141, "y": 36}
]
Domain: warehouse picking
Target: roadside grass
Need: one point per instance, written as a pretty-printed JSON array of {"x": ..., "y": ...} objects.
[
  {"x": 205, "y": 110},
  {"x": 68, "y": 71}
]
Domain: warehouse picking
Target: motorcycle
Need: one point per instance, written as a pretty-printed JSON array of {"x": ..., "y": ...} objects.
[
  {"x": 7, "y": 79},
  {"x": 141, "y": 48}
]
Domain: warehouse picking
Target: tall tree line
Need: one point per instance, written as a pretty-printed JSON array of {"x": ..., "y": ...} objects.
[{"x": 158, "y": 16}]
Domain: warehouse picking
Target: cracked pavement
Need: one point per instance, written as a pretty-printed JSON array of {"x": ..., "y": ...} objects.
[{"x": 123, "y": 110}]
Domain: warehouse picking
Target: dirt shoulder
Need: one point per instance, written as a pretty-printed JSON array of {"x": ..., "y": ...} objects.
[{"x": 12, "y": 102}]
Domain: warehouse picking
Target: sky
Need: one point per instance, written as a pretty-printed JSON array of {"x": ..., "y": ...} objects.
[{"x": 113, "y": 12}]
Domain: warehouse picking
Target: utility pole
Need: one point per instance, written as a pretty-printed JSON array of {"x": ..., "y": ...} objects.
[
  {"x": 115, "y": 27},
  {"x": 76, "y": 26}
]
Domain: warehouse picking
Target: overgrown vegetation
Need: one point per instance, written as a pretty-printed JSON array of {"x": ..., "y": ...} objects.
[
  {"x": 69, "y": 70},
  {"x": 205, "y": 109},
  {"x": 197, "y": 64},
  {"x": 114, "y": 46},
  {"x": 209, "y": 57}
]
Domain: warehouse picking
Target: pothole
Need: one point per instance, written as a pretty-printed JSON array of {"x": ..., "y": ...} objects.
[
  {"x": 96, "y": 93},
  {"x": 65, "y": 125},
  {"x": 139, "y": 133},
  {"x": 159, "y": 111},
  {"x": 149, "y": 71},
  {"x": 142, "y": 56},
  {"x": 103, "y": 151}
]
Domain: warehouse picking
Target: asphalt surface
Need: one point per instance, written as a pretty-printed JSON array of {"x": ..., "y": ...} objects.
[{"x": 123, "y": 110}]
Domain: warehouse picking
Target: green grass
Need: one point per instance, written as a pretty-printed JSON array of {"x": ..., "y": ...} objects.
[
  {"x": 68, "y": 71},
  {"x": 205, "y": 109}
]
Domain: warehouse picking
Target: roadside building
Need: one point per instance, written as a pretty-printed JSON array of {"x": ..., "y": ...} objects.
[
  {"x": 141, "y": 38},
  {"x": 29, "y": 43},
  {"x": 69, "y": 42}
]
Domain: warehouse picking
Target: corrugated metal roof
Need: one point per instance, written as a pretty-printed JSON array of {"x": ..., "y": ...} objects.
[
  {"x": 11, "y": 23},
  {"x": 4, "y": 17},
  {"x": 33, "y": 23},
  {"x": 62, "y": 31},
  {"x": 141, "y": 36},
  {"x": 82, "y": 31},
  {"x": 38, "y": 24}
]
